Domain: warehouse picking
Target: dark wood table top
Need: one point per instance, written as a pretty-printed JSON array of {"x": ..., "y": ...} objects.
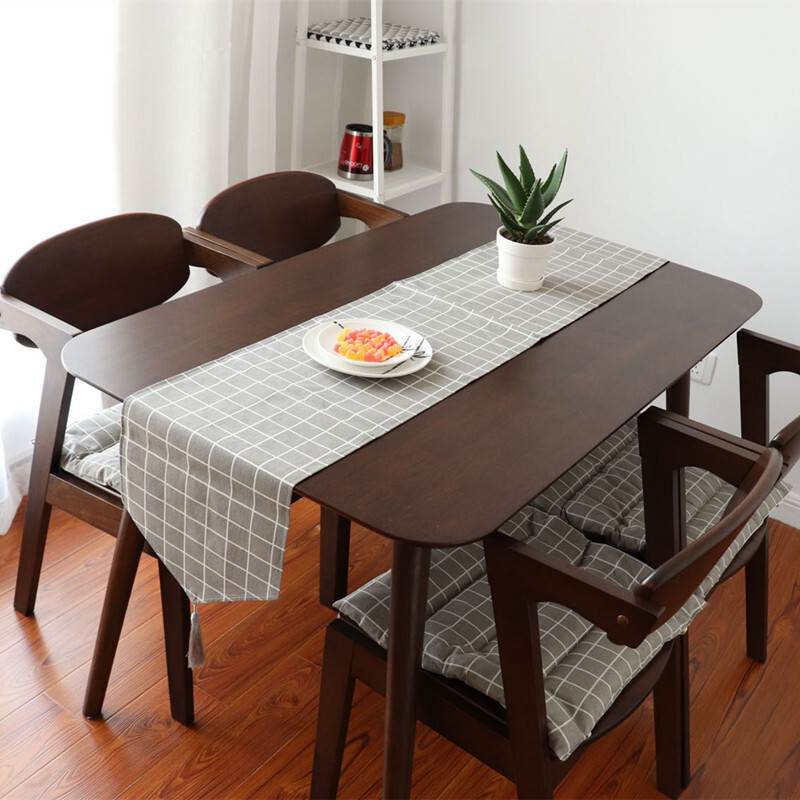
[{"x": 470, "y": 462}]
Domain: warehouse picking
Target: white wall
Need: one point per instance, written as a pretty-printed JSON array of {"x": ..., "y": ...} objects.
[{"x": 682, "y": 122}]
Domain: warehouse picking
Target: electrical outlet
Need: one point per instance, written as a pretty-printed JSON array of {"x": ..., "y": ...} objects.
[{"x": 703, "y": 371}]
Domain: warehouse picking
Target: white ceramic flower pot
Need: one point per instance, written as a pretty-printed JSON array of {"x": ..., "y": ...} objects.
[{"x": 521, "y": 266}]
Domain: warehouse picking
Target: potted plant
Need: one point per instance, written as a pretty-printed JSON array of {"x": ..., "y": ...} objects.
[{"x": 524, "y": 241}]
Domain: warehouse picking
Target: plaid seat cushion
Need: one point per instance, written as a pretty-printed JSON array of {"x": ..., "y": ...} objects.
[
  {"x": 553, "y": 499},
  {"x": 602, "y": 495},
  {"x": 91, "y": 449},
  {"x": 584, "y": 672}
]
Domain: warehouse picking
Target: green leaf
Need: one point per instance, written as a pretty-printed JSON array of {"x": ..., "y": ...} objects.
[
  {"x": 513, "y": 186},
  {"x": 550, "y": 214},
  {"x": 544, "y": 229},
  {"x": 534, "y": 207},
  {"x": 526, "y": 173},
  {"x": 553, "y": 182},
  {"x": 508, "y": 221},
  {"x": 507, "y": 209},
  {"x": 496, "y": 189}
]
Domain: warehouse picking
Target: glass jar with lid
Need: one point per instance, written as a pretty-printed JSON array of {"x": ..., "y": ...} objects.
[{"x": 393, "y": 122}]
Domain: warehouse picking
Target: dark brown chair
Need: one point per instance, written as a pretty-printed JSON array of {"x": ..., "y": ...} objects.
[
  {"x": 283, "y": 214},
  {"x": 561, "y": 608},
  {"x": 602, "y": 494},
  {"x": 73, "y": 282},
  {"x": 759, "y": 357},
  {"x": 248, "y": 226}
]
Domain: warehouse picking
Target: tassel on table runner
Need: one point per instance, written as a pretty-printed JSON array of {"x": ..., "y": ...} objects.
[{"x": 196, "y": 657}]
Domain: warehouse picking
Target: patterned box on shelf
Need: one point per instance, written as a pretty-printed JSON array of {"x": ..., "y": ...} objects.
[{"x": 357, "y": 32}]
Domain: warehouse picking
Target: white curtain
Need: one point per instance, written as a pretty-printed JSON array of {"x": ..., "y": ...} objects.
[
  {"x": 149, "y": 105},
  {"x": 57, "y": 165},
  {"x": 197, "y": 100}
]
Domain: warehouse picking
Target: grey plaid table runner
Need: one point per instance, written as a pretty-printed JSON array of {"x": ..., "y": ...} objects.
[{"x": 209, "y": 457}]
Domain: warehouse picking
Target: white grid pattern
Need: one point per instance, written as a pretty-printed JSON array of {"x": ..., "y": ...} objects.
[
  {"x": 91, "y": 448},
  {"x": 209, "y": 457},
  {"x": 584, "y": 672}
]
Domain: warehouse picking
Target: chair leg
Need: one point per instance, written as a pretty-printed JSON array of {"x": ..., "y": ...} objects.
[
  {"x": 31, "y": 551},
  {"x": 523, "y": 679},
  {"x": 756, "y": 573},
  {"x": 124, "y": 564},
  {"x": 335, "y": 701},
  {"x": 334, "y": 556},
  {"x": 176, "y": 613},
  {"x": 50, "y": 426},
  {"x": 671, "y": 712}
]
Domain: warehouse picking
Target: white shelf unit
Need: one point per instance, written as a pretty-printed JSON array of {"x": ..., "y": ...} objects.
[{"x": 411, "y": 177}]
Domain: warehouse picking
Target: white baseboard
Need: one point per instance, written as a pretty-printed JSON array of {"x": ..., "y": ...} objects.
[{"x": 789, "y": 510}]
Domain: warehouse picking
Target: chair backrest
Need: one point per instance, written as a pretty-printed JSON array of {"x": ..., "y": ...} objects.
[
  {"x": 760, "y": 357},
  {"x": 278, "y": 215},
  {"x": 102, "y": 271}
]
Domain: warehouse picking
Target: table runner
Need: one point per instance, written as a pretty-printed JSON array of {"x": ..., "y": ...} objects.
[{"x": 209, "y": 457}]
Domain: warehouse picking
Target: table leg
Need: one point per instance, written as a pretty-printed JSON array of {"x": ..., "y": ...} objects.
[
  {"x": 124, "y": 564},
  {"x": 176, "y": 613},
  {"x": 334, "y": 556},
  {"x": 410, "y": 568},
  {"x": 678, "y": 395}
]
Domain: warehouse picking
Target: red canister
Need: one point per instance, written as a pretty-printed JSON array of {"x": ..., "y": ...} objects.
[{"x": 355, "y": 156}]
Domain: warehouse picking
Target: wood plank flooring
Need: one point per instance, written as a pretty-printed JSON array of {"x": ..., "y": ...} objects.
[{"x": 256, "y": 698}]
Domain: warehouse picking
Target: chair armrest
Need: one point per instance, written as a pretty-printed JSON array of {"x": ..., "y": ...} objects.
[
  {"x": 667, "y": 444},
  {"x": 45, "y": 331},
  {"x": 529, "y": 574},
  {"x": 672, "y": 583},
  {"x": 373, "y": 215},
  {"x": 787, "y": 441},
  {"x": 221, "y": 258}
]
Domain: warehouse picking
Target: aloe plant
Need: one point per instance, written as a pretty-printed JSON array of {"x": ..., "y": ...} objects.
[{"x": 522, "y": 203}]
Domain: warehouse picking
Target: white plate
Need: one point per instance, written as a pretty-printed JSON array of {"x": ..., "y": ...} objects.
[
  {"x": 405, "y": 337},
  {"x": 416, "y": 362}
]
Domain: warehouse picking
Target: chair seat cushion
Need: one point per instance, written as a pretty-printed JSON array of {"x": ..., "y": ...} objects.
[
  {"x": 584, "y": 671},
  {"x": 91, "y": 449},
  {"x": 602, "y": 495}
]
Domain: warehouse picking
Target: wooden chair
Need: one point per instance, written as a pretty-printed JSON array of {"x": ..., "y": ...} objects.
[
  {"x": 759, "y": 357},
  {"x": 73, "y": 282},
  {"x": 282, "y": 214},
  {"x": 560, "y": 607},
  {"x": 247, "y": 226},
  {"x": 602, "y": 494}
]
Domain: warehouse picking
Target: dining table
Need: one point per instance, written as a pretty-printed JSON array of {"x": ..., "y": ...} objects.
[{"x": 457, "y": 470}]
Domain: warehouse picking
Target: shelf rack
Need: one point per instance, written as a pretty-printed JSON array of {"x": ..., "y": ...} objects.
[{"x": 411, "y": 177}]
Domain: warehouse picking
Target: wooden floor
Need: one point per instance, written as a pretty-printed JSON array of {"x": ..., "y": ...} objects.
[{"x": 256, "y": 698}]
